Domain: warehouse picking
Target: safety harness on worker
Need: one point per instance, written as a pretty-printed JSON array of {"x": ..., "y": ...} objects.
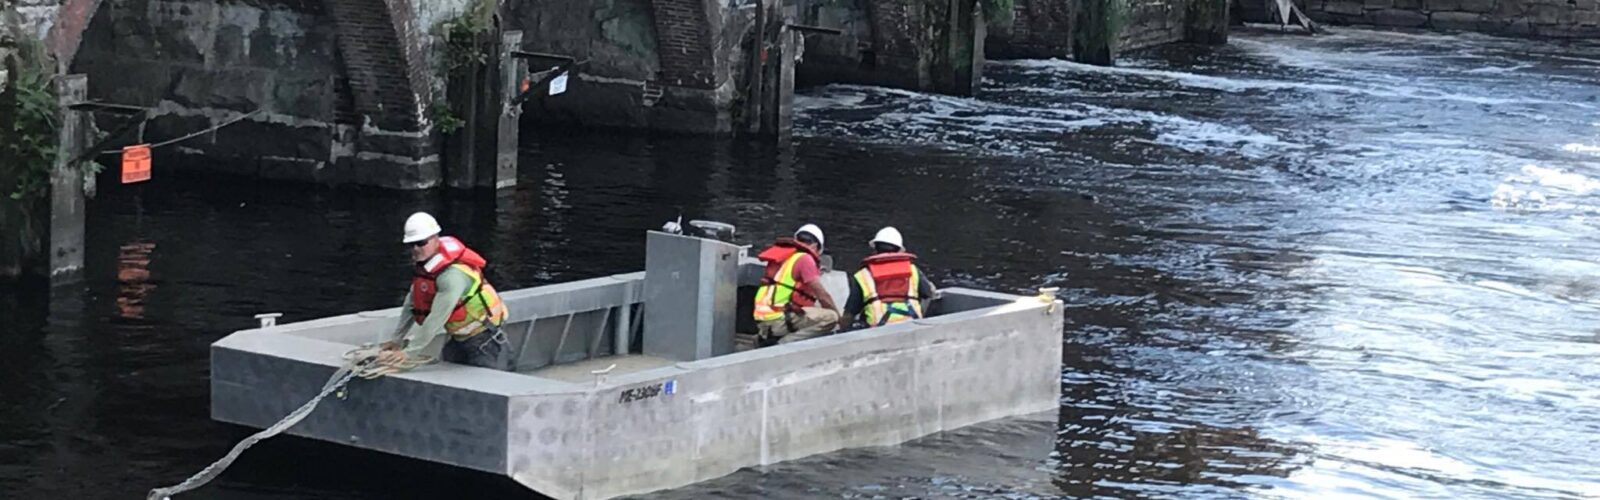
[
  {"x": 779, "y": 291},
  {"x": 479, "y": 309},
  {"x": 889, "y": 292}
]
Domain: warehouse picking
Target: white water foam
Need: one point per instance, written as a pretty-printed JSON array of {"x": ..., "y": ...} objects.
[
  {"x": 930, "y": 118},
  {"x": 1495, "y": 70},
  {"x": 1567, "y": 181},
  {"x": 1195, "y": 136},
  {"x": 808, "y": 102},
  {"x": 1593, "y": 149},
  {"x": 1535, "y": 188},
  {"x": 1330, "y": 475},
  {"x": 1334, "y": 59},
  {"x": 1240, "y": 85}
]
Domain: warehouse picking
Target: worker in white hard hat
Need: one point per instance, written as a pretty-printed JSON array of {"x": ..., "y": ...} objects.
[
  {"x": 451, "y": 298},
  {"x": 889, "y": 287},
  {"x": 791, "y": 304}
]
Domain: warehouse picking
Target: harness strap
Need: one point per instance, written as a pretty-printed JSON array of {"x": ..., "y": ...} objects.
[
  {"x": 791, "y": 288},
  {"x": 875, "y": 298}
]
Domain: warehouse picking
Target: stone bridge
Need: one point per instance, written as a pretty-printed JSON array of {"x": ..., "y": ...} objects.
[
  {"x": 361, "y": 91},
  {"x": 350, "y": 91}
]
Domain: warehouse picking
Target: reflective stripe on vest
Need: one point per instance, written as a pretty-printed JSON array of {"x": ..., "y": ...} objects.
[
  {"x": 475, "y": 307},
  {"x": 773, "y": 298},
  {"x": 881, "y": 311}
]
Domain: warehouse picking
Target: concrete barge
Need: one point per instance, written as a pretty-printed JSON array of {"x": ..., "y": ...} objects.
[{"x": 681, "y": 401}]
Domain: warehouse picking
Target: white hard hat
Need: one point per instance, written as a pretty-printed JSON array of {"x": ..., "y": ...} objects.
[
  {"x": 419, "y": 227},
  {"x": 889, "y": 235},
  {"x": 814, "y": 230}
]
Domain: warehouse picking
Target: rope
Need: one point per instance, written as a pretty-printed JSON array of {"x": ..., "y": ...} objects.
[
  {"x": 359, "y": 362},
  {"x": 232, "y": 121},
  {"x": 371, "y": 371}
]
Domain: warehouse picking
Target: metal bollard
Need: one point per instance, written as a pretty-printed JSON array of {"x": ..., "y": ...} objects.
[
  {"x": 268, "y": 320},
  {"x": 600, "y": 375},
  {"x": 1048, "y": 295}
]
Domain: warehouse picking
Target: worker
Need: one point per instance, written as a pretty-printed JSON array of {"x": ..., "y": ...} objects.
[
  {"x": 449, "y": 295},
  {"x": 791, "y": 304},
  {"x": 889, "y": 288}
]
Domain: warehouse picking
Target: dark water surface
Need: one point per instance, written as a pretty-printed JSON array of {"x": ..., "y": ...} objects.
[{"x": 1360, "y": 264}]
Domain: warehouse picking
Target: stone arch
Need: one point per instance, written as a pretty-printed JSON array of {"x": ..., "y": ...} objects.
[{"x": 370, "y": 126}]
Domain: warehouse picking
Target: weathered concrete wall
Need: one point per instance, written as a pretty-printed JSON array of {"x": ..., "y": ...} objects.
[
  {"x": 1534, "y": 18},
  {"x": 662, "y": 64},
  {"x": 958, "y": 36},
  {"x": 934, "y": 46},
  {"x": 1040, "y": 29},
  {"x": 199, "y": 62},
  {"x": 1151, "y": 23},
  {"x": 342, "y": 86},
  {"x": 1057, "y": 28},
  {"x": 67, "y": 203},
  {"x": 855, "y": 55},
  {"x": 37, "y": 16}
]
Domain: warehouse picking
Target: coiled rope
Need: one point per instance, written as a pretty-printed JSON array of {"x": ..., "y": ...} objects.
[{"x": 359, "y": 362}]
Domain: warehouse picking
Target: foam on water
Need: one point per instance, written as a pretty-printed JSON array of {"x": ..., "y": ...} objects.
[
  {"x": 1499, "y": 69},
  {"x": 1575, "y": 147},
  {"x": 1536, "y": 188},
  {"x": 937, "y": 119},
  {"x": 1318, "y": 256},
  {"x": 1195, "y": 136},
  {"x": 1410, "y": 465},
  {"x": 812, "y": 101},
  {"x": 1239, "y": 85}
]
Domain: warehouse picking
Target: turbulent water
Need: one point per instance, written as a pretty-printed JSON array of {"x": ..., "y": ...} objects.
[{"x": 1360, "y": 264}]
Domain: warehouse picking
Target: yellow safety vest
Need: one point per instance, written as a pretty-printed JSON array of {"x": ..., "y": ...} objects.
[
  {"x": 485, "y": 304},
  {"x": 881, "y": 310},
  {"x": 773, "y": 298}
]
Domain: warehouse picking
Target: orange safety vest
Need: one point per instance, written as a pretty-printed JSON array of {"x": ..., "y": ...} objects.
[
  {"x": 888, "y": 283},
  {"x": 779, "y": 292},
  {"x": 477, "y": 310}
]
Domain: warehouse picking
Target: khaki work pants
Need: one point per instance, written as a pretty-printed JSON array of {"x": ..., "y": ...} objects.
[{"x": 815, "y": 322}]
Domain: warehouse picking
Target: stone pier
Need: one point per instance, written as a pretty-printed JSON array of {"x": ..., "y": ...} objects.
[
  {"x": 934, "y": 46},
  {"x": 1094, "y": 31},
  {"x": 1038, "y": 30}
]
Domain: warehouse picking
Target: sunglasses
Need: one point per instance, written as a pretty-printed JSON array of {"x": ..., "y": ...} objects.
[{"x": 419, "y": 244}]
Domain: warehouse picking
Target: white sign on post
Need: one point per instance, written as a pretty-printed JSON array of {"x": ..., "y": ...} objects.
[{"x": 558, "y": 84}]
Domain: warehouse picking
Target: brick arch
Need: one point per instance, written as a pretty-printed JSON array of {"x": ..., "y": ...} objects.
[
  {"x": 383, "y": 56},
  {"x": 66, "y": 30}
]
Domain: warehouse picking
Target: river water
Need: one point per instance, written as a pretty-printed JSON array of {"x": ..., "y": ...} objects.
[{"x": 1360, "y": 264}]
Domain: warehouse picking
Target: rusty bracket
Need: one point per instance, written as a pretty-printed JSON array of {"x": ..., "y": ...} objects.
[{"x": 566, "y": 65}]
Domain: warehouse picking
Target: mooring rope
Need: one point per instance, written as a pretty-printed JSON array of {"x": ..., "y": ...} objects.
[{"x": 360, "y": 362}]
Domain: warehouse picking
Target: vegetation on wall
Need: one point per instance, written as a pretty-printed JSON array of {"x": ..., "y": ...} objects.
[
  {"x": 999, "y": 14},
  {"x": 460, "y": 48},
  {"x": 1099, "y": 27},
  {"x": 30, "y": 115}
]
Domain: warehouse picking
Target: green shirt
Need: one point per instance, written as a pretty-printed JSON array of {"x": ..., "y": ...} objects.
[{"x": 453, "y": 284}]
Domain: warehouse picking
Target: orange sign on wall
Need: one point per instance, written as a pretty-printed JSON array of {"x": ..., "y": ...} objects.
[{"x": 136, "y": 163}]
